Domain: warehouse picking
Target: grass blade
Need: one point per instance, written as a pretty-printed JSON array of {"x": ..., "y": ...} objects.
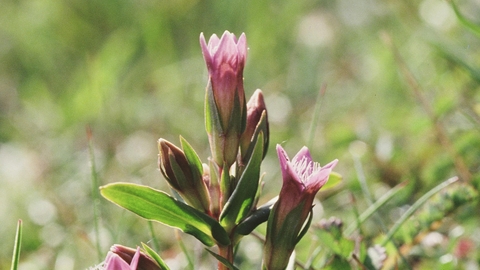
[
  {"x": 17, "y": 246},
  {"x": 415, "y": 207},
  {"x": 374, "y": 207}
]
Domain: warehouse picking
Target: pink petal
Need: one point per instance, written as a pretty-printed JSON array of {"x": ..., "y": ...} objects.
[
  {"x": 282, "y": 157},
  {"x": 206, "y": 52},
  {"x": 213, "y": 44},
  {"x": 136, "y": 257},
  {"x": 226, "y": 52},
  {"x": 288, "y": 173},
  {"x": 242, "y": 49},
  {"x": 115, "y": 262},
  {"x": 303, "y": 153},
  {"x": 317, "y": 180}
]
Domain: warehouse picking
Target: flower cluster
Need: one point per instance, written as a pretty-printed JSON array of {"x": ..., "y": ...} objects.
[{"x": 216, "y": 201}]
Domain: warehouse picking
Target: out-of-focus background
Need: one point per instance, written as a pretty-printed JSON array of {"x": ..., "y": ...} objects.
[{"x": 402, "y": 102}]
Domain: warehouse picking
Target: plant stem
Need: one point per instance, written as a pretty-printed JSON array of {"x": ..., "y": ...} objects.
[{"x": 227, "y": 253}]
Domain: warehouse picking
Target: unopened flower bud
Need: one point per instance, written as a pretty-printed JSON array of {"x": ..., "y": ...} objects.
[
  {"x": 183, "y": 176},
  {"x": 125, "y": 258},
  {"x": 225, "y": 98},
  {"x": 257, "y": 121}
]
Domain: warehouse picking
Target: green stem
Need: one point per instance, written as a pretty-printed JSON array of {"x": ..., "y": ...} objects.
[
  {"x": 227, "y": 253},
  {"x": 17, "y": 246}
]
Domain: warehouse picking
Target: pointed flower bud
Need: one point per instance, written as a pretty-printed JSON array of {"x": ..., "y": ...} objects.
[
  {"x": 183, "y": 174},
  {"x": 125, "y": 258},
  {"x": 225, "y": 99},
  {"x": 302, "y": 179},
  {"x": 257, "y": 120}
]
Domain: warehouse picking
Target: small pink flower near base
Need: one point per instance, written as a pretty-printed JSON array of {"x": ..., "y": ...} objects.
[
  {"x": 302, "y": 179},
  {"x": 125, "y": 258}
]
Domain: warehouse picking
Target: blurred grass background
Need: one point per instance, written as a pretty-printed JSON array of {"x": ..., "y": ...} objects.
[{"x": 133, "y": 71}]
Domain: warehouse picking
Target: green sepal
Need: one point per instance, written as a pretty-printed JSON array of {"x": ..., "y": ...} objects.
[
  {"x": 213, "y": 125},
  {"x": 212, "y": 116},
  {"x": 256, "y": 218},
  {"x": 241, "y": 201},
  {"x": 282, "y": 237},
  {"x": 157, "y": 205},
  {"x": 306, "y": 226},
  {"x": 196, "y": 168},
  {"x": 155, "y": 256}
]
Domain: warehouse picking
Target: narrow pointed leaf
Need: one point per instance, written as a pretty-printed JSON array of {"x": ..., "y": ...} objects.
[
  {"x": 258, "y": 217},
  {"x": 192, "y": 158},
  {"x": 222, "y": 260},
  {"x": 333, "y": 180},
  {"x": 241, "y": 201},
  {"x": 158, "y": 206},
  {"x": 197, "y": 170},
  {"x": 155, "y": 256}
]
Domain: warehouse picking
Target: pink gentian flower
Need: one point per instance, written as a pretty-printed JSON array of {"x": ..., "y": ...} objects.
[
  {"x": 302, "y": 179},
  {"x": 125, "y": 258},
  {"x": 225, "y": 59}
]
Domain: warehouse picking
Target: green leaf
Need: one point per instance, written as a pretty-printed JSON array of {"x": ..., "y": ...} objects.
[
  {"x": 155, "y": 256},
  {"x": 196, "y": 168},
  {"x": 222, "y": 260},
  {"x": 256, "y": 218},
  {"x": 333, "y": 180},
  {"x": 157, "y": 205},
  {"x": 17, "y": 246},
  {"x": 192, "y": 158},
  {"x": 241, "y": 201}
]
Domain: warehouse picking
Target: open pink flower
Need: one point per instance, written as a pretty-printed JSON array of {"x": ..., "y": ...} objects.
[{"x": 302, "y": 179}]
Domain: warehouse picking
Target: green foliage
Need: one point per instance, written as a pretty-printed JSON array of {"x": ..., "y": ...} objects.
[
  {"x": 155, "y": 256},
  {"x": 133, "y": 71},
  {"x": 158, "y": 206},
  {"x": 242, "y": 199}
]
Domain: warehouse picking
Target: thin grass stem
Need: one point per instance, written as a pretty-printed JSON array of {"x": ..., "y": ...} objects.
[
  {"x": 155, "y": 244},
  {"x": 316, "y": 115},
  {"x": 95, "y": 193},
  {"x": 415, "y": 207},
  {"x": 17, "y": 246},
  {"x": 374, "y": 207}
]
